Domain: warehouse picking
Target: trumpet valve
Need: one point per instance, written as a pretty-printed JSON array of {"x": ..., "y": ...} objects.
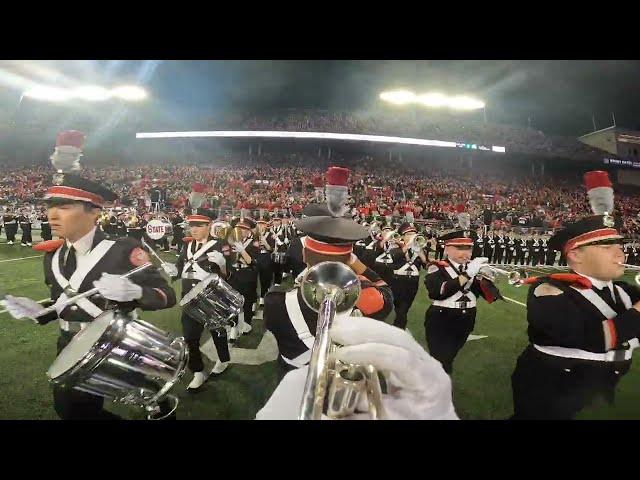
[{"x": 347, "y": 383}]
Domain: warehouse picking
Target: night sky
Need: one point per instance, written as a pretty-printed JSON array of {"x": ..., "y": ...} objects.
[{"x": 558, "y": 97}]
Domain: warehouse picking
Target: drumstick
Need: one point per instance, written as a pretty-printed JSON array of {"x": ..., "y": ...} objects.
[
  {"x": 153, "y": 252},
  {"x": 88, "y": 293}
]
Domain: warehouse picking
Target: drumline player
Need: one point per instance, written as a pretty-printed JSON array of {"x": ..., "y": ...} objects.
[{"x": 82, "y": 259}]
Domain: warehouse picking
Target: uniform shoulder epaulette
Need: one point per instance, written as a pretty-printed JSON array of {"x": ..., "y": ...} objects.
[
  {"x": 572, "y": 279},
  {"x": 187, "y": 239},
  {"x": 546, "y": 289},
  {"x": 48, "y": 246}
]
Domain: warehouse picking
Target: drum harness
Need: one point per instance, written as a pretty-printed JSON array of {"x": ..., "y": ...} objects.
[{"x": 70, "y": 286}]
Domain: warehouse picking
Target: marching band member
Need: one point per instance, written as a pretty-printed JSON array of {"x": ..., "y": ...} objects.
[
  {"x": 45, "y": 228},
  {"x": 421, "y": 390},
  {"x": 201, "y": 255},
  {"x": 87, "y": 258},
  {"x": 10, "y": 226},
  {"x": 244, "y": 272},
  {"x": 453, "y": 288},
  {"x": 25, "y": 225},
  {"x": 407, "y": 262},
  {"x": 328, "y": 238},
  {"x": 263, "y": 259},
  {"x": 583, "y": 326}
]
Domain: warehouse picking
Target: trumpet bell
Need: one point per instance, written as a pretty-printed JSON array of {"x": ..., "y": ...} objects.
[
  {"x": 419, "y": 241},
  {"x": 234, "y": 235},
  {"x": 330, "y": 277}
]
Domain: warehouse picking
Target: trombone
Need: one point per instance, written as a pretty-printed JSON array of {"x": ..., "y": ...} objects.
[{"x": 327, "y": 288}]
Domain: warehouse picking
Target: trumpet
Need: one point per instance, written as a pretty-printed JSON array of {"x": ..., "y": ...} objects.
[
  {"x": 327, "y": 288},
  {"x": 374, "y": 231},
  {"x": 635, "y": 268},
  {"x": 490, "y": 271},
  {"x": 418, "y": 242},
  {"x": 392, "y": 236}
]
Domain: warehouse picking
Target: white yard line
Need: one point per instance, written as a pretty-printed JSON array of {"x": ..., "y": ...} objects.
[
  {"x": 21, "y": 258},
  {"x": 39, "y": 301}
]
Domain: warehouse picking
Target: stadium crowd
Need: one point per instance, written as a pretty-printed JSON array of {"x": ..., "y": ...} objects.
[{"x": 270, "y": 182}]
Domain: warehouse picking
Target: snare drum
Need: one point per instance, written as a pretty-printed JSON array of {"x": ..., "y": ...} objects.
[
  {"x": 213, "y": 302},
  {"x": 123, "y": 359},
  {"x": 279, "y": 257}
]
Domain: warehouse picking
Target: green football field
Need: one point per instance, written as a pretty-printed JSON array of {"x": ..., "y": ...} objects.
[{"x": 481, "y": 378}]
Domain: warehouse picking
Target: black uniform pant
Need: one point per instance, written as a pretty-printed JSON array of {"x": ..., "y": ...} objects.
[
  {"x": 447, "y": 330},
  {"x": 537, "y": 258},
  {"x": 563, "y": 260},
  {"x": 192, "y": 331},
  {"x": 71, "y": 404},
  {"x": 404, "y": 292},
  {"x": 520, "y": 257},
  {"x": 11, "y": 231},
  {"x": 498, "y": 256},
  {"x": 26, "y": 235},
  {"x": 46, "y": 233},
  {"x": 247, "y": 285},
  {"x": 550, "y": 257},
  {"x": 439, "y": 253},
  {"x": 265, "y": 272},
  {"x": 556, "y": 388},
  {"x": 277, "y": 273},
  {"x": 509, "y": 256}
]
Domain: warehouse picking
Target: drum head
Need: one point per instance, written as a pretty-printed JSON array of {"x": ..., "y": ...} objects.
[
  {"x": 80, "y": 346},
  {"x": 198, "y": 289}
]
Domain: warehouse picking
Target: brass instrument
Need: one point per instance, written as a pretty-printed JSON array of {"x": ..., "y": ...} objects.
[
  {"x": 220, "y": 230},
  {"x": 418, "y": 242},
  {"x": 327, "y": 288},
  {"x": 234, "y": 235},
  {"x": 635, "y": 268},
  {"x": 391, "y": 236},
  {"x": 374, "y": 231},
  {"x": 490, "y": 271}
]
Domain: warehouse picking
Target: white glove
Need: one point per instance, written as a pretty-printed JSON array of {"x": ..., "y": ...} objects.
[
  {"x": 473, "y": 267},
  {"x": 21, "y": 307},
  {"x": 418, "y": 386},
  {"x": 170, "y": 269},
  {"x": 113, "y": 287},
  {"x": 217, "y": 258},
  {"x": 238, "y": 247}
]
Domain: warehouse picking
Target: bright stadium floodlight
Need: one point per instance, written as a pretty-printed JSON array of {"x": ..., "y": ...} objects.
[
  {"x": 432, "y": 99},
  {"x": 462, "y": 102},
  {"x": 130, "y": 93},
  {"x": 50, "y": 94},
  {"x": 398, "y": 97},
  {"x": 92, "y": 93}
]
